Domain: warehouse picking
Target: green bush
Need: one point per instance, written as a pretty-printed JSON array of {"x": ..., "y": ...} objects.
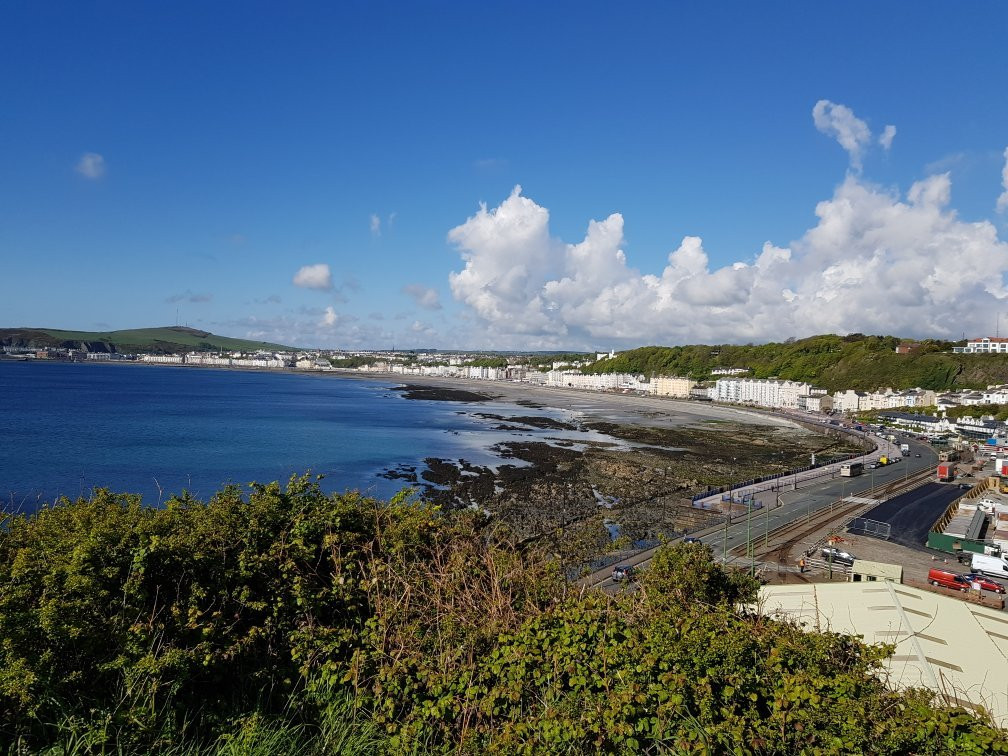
[{"x": 285, "y": 620}]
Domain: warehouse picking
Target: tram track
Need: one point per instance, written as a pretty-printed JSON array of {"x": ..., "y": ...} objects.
[{"x": 843, "y": 513}]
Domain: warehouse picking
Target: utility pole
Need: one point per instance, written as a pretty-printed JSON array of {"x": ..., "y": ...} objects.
[
  {"x": 748, "y": 538},
  {"x": 724, "y": 541},
  {"x": 766, "y": 532}
]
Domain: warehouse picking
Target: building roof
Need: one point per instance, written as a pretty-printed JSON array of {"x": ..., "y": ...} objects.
[
  {"x": 957, "y": 649},
  {"x": 909, "y": 417}
]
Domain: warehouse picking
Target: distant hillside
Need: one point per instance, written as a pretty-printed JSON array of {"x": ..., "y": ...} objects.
[
  {"x": 156, "y": 340},
  {"x": 833, "y": 362}
]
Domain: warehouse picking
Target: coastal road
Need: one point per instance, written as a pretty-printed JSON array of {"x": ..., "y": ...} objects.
[{"x": 795, "y": 507}]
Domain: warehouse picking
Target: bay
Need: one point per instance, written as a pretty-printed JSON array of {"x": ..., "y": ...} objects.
[{"x": 68, "y": 427}]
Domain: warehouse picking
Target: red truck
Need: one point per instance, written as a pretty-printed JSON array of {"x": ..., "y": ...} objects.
[{"x": 946, "y": 472}]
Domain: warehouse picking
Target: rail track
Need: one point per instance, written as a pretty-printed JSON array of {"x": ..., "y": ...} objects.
[{"x": 842, "y": 513}]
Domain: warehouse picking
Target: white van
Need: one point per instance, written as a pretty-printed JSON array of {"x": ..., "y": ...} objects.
[{"x": 996, "y": 566}]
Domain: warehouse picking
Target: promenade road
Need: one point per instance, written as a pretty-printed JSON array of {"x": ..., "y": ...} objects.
[{"x": 798, "y": 498}]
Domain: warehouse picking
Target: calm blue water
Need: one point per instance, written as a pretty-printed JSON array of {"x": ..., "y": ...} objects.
[{"x": 65, "y": 428}]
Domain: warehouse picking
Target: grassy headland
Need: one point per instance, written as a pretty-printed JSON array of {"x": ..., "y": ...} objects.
[
  {"x": 286, "y": 621},
  {"x": 171, "y": 339}
]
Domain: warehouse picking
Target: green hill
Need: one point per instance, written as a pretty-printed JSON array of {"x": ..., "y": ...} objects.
[
  {"x": 158, "y": 340},
  {"x": 833, "y": 362}
]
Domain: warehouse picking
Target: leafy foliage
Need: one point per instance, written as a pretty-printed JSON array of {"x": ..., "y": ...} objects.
[
  {"x": 997, "y": 411},
  {"x": 833, "y": 362},
  {"x": 352, "y": 362},
  {"x": 288, "y": 621}
]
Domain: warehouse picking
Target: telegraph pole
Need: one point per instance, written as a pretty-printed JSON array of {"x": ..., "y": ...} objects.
[{"x": 748, "y": 538}]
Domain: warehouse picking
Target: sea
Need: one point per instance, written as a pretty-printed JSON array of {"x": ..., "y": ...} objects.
[{"x": 67, "y": 428}]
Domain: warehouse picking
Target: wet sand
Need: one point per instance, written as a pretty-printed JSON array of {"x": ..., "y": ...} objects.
[{"x": 602, "y": 406}]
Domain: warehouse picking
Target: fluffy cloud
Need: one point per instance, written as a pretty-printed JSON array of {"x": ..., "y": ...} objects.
[
  {"x": 875, "y": 262},
  {"x": 839, "y": 122},
  {"x": 91, "y": 165},
  {"x": 424, "y": 297},
  {"x": 885, "y": 139},
  {"x": 1002, "y": 201},
  {"x": 315, "y": 276}
]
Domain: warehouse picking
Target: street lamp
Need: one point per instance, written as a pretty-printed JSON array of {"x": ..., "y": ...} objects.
[{"x": 748, "y": 537}]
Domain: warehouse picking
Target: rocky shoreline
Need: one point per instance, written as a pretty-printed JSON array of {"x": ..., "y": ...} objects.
[{"x": 640, "y": 463}]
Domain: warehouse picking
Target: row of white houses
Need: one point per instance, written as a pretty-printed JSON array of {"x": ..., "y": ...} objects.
[{"x": 213, "y": 360}]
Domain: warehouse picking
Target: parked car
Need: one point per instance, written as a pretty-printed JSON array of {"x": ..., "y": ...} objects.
[
  {"x": 985, "y": 582},
  {"x": 691, "y": 539},
  {"x": 623, "y": 572},
  {"x": 947, "y": 579},
  {"x": 837, "y": 556}
]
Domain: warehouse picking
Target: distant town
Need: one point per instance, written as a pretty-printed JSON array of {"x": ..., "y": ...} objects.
[{"x": 724, "y": 385}]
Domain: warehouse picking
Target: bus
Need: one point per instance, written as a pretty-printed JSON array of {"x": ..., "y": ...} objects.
[{"x": 851, "y": 469}]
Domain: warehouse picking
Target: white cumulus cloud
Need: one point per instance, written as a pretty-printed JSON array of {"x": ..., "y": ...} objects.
[
  {"x": 1002, "y": 201},
  {"x": 875, "y": 262},
  {"x": 91, "y": 165},
  {"x": 315, "y": 276},
  {"x": 839, "y": 122},
  {"x": 888, "y": 134},
  {"x": 424, "y": 296}
]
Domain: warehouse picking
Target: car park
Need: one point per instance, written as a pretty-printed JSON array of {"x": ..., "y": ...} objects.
[
  {"x": 984, "y": 583},
  {"x": 623, "y": 572}
]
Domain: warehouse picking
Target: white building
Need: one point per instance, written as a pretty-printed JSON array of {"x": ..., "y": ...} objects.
[
  {"x": 768, "y": 392},
  {"x": 848, "y": 401},
  {"x": 985, "y": 345}
]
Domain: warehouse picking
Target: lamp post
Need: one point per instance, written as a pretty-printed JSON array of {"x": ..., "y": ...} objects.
[
  {"x": 724, "y": 541},
  {"x": 766, "y": 531},
  {"x": 748, "y": 537}
]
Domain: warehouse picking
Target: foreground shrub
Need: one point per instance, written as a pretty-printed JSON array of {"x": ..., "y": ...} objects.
[{"x": 290, "y": 621}]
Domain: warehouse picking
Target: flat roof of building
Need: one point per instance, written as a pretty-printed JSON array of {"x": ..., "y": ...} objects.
[{"x": 957, "y": 649}]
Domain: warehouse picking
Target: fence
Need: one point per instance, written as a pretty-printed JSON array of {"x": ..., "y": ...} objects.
[{"x": 874, "y": 528}]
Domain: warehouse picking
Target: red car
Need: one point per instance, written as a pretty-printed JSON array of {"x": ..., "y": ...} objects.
[{"x": 985, "y": 583}]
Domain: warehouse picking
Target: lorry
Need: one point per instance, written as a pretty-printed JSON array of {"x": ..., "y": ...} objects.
[
  {"x": 996, "y": 566},
  {"x": 904, "y": 449},
  {"x": 946, "y": 472}
]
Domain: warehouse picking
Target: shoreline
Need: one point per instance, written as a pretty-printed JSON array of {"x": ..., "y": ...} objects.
[
  {"x": 598, "y": 405},
  {"x": 569, "y": 458}
]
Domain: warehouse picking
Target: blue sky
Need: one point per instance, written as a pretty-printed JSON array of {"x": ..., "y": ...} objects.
[{"x": 202, "y": 158}]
